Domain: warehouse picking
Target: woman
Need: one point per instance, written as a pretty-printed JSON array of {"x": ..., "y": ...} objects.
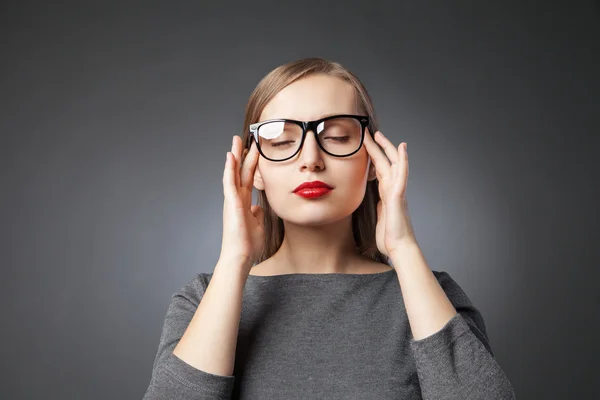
[{"x": 321, "y": 290}]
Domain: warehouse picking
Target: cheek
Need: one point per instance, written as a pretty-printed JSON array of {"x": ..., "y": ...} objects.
[
  {"x": 275, "y": 179},
  {"x": 354, "y": 177},
  {"x": 359, "y": 169}
]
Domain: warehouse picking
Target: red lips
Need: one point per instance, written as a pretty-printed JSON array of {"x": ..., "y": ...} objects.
[
  {"x": 311, "y": 190},
  {"x": 313, "y": 185}
]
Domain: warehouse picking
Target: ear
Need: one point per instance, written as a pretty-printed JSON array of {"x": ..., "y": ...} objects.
[
  {"x": 372, "y": 175},
  {"x": 258, "y": 181}
]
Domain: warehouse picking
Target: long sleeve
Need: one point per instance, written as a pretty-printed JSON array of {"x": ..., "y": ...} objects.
[
  {"x": 457, "y": 362},
  {"x": 172, "y": 378}
]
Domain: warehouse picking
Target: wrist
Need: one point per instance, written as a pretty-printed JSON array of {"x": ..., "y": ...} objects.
[
  {"x": 235, "y": 263},
  {"x": 404, "y": 248}
]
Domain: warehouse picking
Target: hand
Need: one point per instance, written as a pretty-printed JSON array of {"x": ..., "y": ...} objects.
[
  {"x": 394, "y": 228},
  {"x": 243, "y": 223}
]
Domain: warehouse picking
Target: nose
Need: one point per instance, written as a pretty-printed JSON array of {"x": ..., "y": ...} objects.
[{"x": 311, "y": 156}]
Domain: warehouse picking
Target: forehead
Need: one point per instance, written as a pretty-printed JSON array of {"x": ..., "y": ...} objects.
[{"x": 311, "y": 98}]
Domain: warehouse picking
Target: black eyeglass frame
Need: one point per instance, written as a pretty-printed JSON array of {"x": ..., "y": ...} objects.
[{"x": 310, "y": 126}]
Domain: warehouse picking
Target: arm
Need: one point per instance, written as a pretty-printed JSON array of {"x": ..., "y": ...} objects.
[
  {"x": 196, "y": 353},
  {"x": 453, "y": 356}
]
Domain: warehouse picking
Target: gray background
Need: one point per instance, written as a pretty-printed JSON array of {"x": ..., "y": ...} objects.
[{"x": 115, "y": 120}]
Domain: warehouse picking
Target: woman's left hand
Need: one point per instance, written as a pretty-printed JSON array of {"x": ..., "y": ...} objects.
[{"x": 394, "y": 228}]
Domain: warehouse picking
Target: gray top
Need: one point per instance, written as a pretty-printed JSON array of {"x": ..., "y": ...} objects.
[{"x": 333, "y": 336}]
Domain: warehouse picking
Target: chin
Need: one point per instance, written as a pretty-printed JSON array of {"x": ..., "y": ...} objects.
[
  {"x": 311, "y": 221},
  {"x": 314, "y": 215}
]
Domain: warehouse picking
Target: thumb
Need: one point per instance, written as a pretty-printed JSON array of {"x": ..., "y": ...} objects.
[{"x": 259, "y": 214}]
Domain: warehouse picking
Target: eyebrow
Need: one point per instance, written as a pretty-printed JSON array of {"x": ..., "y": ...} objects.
[{"x": 316, "y": 119}]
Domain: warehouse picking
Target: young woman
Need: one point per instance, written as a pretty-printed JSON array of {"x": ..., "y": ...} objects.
[{"x": 321, "y": 290}]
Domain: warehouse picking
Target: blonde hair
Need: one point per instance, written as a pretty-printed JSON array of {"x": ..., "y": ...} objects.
[{"x": 364, "y": 218}]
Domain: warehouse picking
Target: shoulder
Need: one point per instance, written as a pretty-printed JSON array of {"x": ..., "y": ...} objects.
[
  {"x": 374, "y": 267},
  {"x": 194, "y": 288},
  {"x": 261, "y": 269},
  {"x": 451, "y": 287}
]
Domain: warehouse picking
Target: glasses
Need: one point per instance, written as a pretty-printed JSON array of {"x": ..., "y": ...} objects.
[{"x": 337, "y": 135}]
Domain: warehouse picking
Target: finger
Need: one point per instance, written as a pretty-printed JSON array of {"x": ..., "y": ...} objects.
[
  {"x": 404, "y": 160},
  {"x": 259, "y": 214},
  {"x": 236, "y": 150},
  {"x": 388, "y": 147},
  {"x": 381, "y": 210},
  {"x": 249, "y": 167},
  {"x": 402, "y": 172},
  {"x": 378, "y": 157},
  {"x": 407, "y": 164},
  {"x": 229, "y": 188}
]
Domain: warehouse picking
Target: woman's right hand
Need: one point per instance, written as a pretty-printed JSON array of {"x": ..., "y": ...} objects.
[{"x": 243, "y": 223}]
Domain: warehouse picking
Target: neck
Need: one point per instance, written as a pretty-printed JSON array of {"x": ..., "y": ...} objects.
[{"x": 319, "y": 249}]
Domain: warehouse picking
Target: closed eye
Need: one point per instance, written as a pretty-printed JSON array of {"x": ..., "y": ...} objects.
[{"x": 281, "y": 143}]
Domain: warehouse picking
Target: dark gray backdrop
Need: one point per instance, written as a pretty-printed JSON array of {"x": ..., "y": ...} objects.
[{"x": 114, "y": 125}]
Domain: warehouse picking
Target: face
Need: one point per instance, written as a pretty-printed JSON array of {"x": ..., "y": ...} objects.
[{"x": 309, "y": 99}]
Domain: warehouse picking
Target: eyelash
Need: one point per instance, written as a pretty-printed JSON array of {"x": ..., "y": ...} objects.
[{"x": 339, "y": 139}]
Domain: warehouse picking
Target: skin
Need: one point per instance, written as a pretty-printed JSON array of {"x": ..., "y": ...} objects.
[{"x": 318, "y": 232}]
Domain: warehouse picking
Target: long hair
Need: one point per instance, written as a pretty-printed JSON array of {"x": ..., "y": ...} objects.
[{"x": 364, "y": 218}]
